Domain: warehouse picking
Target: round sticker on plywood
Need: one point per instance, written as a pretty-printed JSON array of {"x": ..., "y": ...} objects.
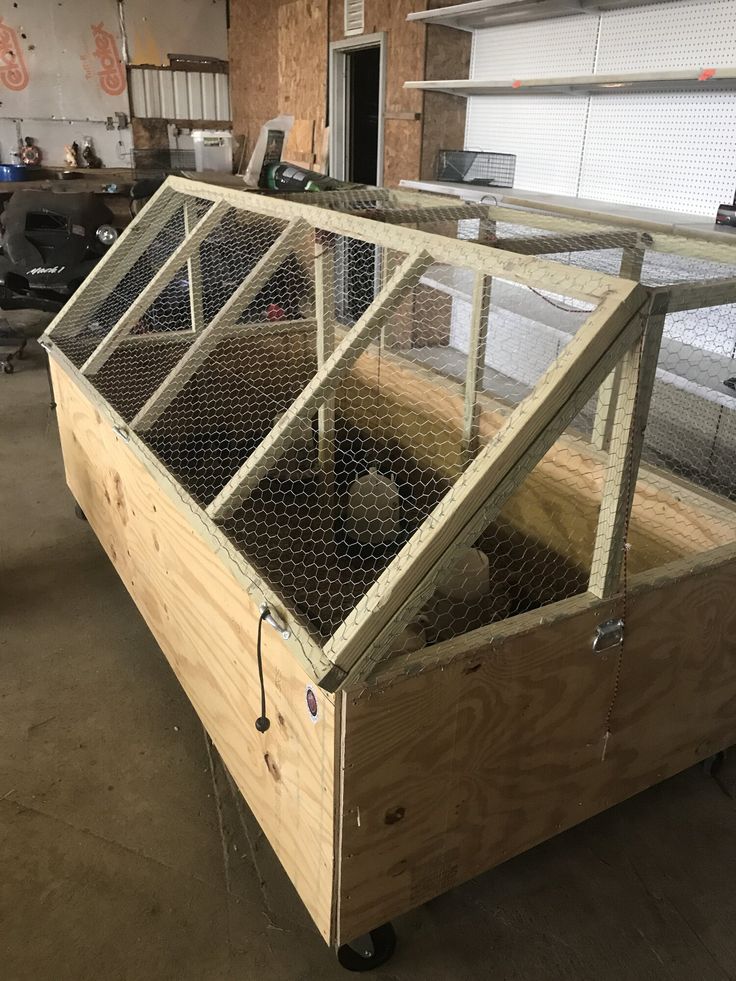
[{"x": 312, "y": 704}]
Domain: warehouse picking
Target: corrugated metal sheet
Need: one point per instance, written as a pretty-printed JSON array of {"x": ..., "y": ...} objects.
[{"x": 167, "y": 94}]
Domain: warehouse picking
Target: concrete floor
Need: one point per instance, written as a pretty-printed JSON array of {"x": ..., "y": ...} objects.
[{"x": 125, "y": 855}]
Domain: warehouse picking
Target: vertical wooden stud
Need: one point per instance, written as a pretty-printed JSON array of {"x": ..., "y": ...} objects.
[
  {"x": 631, "y": 266},
  {"x": 638, "y": 370},
  {"x": 324, "y": 297},
  {"x": 194, "y": 271},
  {"x": 480, "y": 313}
]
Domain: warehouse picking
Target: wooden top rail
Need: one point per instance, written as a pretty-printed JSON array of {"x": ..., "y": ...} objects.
[{"x": 558, "y": 278}]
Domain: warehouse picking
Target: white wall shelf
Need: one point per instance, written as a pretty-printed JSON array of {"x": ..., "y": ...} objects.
[
  {"x": 695, "y": 80},
  {"x": 497, "y": 13}
]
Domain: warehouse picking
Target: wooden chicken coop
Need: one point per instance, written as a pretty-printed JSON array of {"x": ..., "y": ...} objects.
[{"x": 459, "y": 479}]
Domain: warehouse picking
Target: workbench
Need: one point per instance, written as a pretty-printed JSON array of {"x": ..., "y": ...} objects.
[{"x": 89, "y": 180}]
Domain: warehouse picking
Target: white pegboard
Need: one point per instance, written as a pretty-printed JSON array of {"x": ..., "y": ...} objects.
[
  {"x": 661, "y": 150},
  {"x": 564, "y": 46},
  {"x": 686, "y": 34},
  {"x": 545, "y": 132},
  {"x": 552, "y": 47},
  {"x": 667, "y": 150}
]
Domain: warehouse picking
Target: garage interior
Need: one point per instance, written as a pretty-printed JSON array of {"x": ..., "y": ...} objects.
[{"x": 149, "y": 834}]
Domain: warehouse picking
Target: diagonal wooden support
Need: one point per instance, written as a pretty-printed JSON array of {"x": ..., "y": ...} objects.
[
  {"x": 637, "y": 375},
  {"x": 476, "y": 366},
  {"x": 212, "y": 334},
  {"x": 482, "y": 490},
  {"x": 323, "y": 386},
  {"x": 181, "y": 254},
  {"x": 194, "y": 272},
  {"x": 117, "y": 262}
]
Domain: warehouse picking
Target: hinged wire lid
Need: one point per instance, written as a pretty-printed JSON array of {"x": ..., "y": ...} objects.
[{"x": 366, "y": 404}]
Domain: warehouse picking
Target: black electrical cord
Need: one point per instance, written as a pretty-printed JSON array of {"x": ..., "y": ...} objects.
[{"x": 263, "y": 723}]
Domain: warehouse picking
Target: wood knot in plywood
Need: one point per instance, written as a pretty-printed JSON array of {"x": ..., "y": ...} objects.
[
  {"x": 394, "y": 815},
  {"x": 119, "y": 493},
  {"x": 273, "y": 767}
]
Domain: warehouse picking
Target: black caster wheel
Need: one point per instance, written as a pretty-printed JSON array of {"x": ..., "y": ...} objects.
[
  {"x": 8, "y": 367},
  {"x": 711, "y": 764},
  {"x": 80, "y": 513},
  {"x": 370, "y": 951}
]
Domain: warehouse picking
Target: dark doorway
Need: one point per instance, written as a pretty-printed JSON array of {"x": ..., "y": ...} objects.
[{"x": 363, "y": 89}]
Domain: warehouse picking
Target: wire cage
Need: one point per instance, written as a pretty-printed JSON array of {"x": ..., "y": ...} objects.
[
  {"x": 476, "y": 167},
  {"x": 447, "y": 448},
  {"x": 157, "y": 162}
]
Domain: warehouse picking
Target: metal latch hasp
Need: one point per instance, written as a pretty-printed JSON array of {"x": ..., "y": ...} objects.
[{"x": 608, "y": 634}]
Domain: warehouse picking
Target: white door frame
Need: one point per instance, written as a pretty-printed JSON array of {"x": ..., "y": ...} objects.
[{"x": 339, "y": 105}]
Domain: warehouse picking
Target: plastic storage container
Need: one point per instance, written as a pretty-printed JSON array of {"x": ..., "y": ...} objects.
[{"x": 213, "y": 149}]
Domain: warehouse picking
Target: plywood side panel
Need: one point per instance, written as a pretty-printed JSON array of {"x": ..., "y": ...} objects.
[
  {"x": 206, "y": 623},
  {"x": 677, "y": 695},
  {"x": 452, "y": 771}
]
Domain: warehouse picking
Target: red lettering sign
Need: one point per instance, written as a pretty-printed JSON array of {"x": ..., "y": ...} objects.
[
  {"x": 13, "y": 70},
  {"x": 111, "y": 74}
]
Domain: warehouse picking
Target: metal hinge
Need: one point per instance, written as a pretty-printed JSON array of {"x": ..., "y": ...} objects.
[{"x": 608, "y": 634}]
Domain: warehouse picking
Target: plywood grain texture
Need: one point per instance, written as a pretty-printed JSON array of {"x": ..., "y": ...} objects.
[
  {"x": 205, "y": 623},
  {"x": 459, "y": 768}
]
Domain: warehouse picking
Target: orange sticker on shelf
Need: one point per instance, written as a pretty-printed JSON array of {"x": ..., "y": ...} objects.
[
  {"x": 516, "y": 84},
  {"x": 706, "y": 74}
]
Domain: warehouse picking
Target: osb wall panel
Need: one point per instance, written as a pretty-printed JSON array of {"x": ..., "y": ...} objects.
[
  {"x": 150, "y": 134},
  {"x": 253, "y": 53},
  {"x": 302, "y": 75},
  {"x": 447, "y": 56},
  {"x": 278, "y": 63},
  {"x": 404, "y": 60}
]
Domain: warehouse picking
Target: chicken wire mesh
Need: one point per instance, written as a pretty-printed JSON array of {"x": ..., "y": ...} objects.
[{"x": 220, "y": 318}]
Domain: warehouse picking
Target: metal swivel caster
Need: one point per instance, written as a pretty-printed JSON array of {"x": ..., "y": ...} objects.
[{"x": 370, "y": 951}]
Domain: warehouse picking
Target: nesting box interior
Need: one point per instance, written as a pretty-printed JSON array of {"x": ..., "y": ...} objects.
[{"x": 411, "y": 429}]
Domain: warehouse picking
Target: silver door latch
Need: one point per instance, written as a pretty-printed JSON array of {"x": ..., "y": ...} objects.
[{"x": 608, "y": 634}]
